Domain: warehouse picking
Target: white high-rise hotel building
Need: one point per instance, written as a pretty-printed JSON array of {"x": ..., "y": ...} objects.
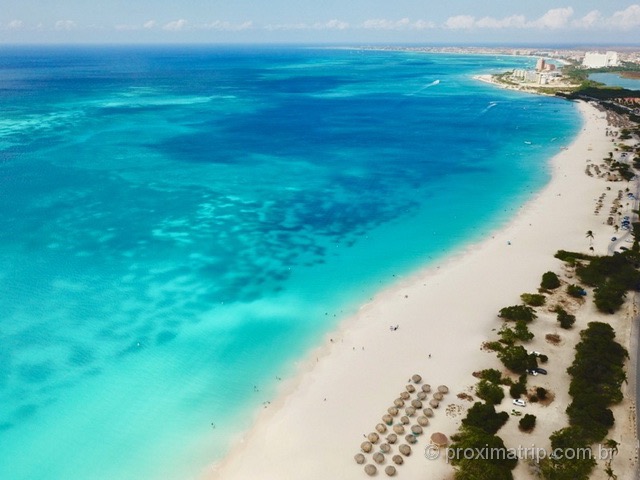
[{"x": 599, "y": 60}]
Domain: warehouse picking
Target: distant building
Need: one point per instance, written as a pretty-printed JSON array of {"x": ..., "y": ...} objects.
[
  {"x": 540, "y": 64},
  {"x": 600, "y": 60},
  {"x": 549, "y": 67}
]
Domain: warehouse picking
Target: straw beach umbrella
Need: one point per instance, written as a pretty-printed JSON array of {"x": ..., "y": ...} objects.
[
  {"x": 388, "y": 419},
  {"x": 426, "y": 388},
  {"x": 398, "y": 402},
  {"x": 385, "y": 448},
  {"x": 423, "y": 421},
  {"x": 409, "y": 411},
  {"x": 392, "y": 438},
  {"x": 443, "y": 389},
  {"x": 416, "y": 404},
  {"x": 381, "y": 428},
  {"x": 416, "y": 430},
  {"x": 439, "y": 439},
  {"x": 370, "y": 470},
  {"x": 410, "y": 388},
  {"x": 393, "y": 411},
  {"x": 390, "y": 470},
  {"x": 373, "y": 437},
  {"x": 411, "y": 439},
  {"x": 405, "y": 395},
  {"x": 428, "y": 412},
  {"x": 405, "y": 420},
  {"x": 366, "y": 447},
  {"x": 434, "y": 403},
  {"x": 405, "y": 449},
  {"x": 359, "y": 458},
  {"x": 399, "y": 429},
  {"x": 398, "y": 460},
  {"x": 422, "y": 395},
  {"x": 416, "y": 378},
  {"x": 438, "y": 396},
  {"x": 378, "y": 458}
]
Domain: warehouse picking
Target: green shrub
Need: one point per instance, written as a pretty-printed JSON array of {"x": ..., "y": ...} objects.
[
  {"x": 566, "y": 320},
  {"x": 491, "y": 375},
  {"x": 516, "y": 359},
  {"x": 518, "y": 389},
  {"x": 543, "y": 358},
  {"x": 575, "y": 291},
  {"x": 518, "y": 312},
  {"x": 527, "y": 423},
  {"x": 550, "y": 281},
  {"x": 484, "y": 416},
  {"x": 609, "y": 296},
  {"x": 489, "y": 392},
  {"x": 541, "y": 393},
  {"x": 533, "y": 299}
]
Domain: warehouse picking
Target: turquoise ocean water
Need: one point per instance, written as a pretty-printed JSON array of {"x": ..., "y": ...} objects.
[{"x": 180, "y": 224}]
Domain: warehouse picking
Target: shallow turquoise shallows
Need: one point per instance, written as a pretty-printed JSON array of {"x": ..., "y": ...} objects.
[{"x": 179, "y": 225}]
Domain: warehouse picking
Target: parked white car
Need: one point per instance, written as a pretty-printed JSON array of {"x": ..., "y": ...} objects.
[{"x": 519, "y": 403}]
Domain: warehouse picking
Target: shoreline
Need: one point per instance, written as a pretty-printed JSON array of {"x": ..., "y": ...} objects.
[{"x": 345, "y": 385}]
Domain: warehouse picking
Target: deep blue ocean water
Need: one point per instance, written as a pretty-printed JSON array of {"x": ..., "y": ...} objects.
[{"x": 180, "y": 224}]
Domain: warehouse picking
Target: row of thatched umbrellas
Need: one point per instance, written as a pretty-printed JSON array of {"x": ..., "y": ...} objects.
[{"x": 414, "y": 407}]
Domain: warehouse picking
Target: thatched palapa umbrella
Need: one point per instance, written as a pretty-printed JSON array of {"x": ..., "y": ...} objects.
[
  {"x": 438, "y": 396},
  {"x": 409, "y": 411},
  {"x": 393, "y": 411},
  {"x": 398, "y": 460},
  {"x": 426, "y": 388},
  {"x": 416, "y": 378},
  {"x": 381, "y": 428},
  {"x": 392, "y": 438},
  {"x": 405, "y": 449},
  {"x": 434, "y": 403},
  {"x": 416, "y": 430},
  {"x": 410, "y": 439},
  {"x": 405, "y": 395},
  {"x": 405, "y": 420},
  {"x": 423, "y": 421},
  {"x": 410, "y": 388},
  {"x": 428, "y": 412},
  {"x": 443, "y": 389},
  {"x": 422, "y": 396},
  {"x": 373, "y": 437},
  {"x": 399, "y": 429},
  {"x": 398, "y": 402},
  {"x": 370, "y": 470},
  {"x": 359, "y": 458},
  {"x": 388, "y": 419},
  {"x": 385, "y": 448},
  {"x": 439, "y": 439},
  {"x": 416, "y": 404},
  {"x": 378, "y": 458},
  {"x": 390, "y": 470},
  {"x": 366, "y": 447}
]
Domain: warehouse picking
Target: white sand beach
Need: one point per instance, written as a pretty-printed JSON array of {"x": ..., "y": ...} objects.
[{"x": 444, "y": 314}]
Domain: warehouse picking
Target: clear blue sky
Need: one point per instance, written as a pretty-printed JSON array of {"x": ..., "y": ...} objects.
[{"x": 331, "y": 21}]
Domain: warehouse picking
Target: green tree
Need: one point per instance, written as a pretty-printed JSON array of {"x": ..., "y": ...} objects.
[
  {"x": 489, "y": 392},
  {"x": 518, "y": 312},
  {"x": 533, "y": 299},
  {"x": 484, "y": 416},
  {"x": 516, "y": 359},
  {"x": 550, "y": 281},
  {"x": 527, "y": 423}
]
